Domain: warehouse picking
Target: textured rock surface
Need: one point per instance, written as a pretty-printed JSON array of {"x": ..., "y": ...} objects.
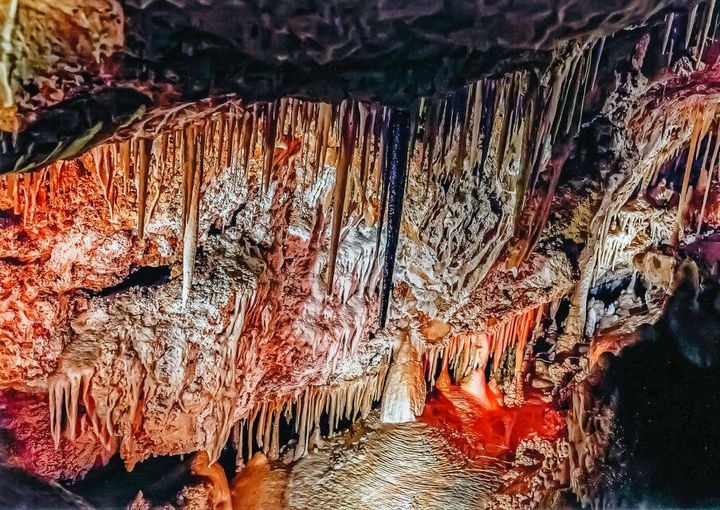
[
  {"x": 216, "y": 269},
  {"x": 368, "y": 471}
]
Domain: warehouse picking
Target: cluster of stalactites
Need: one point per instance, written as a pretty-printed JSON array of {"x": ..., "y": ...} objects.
[
  {"x": 142, "y": 160},
  {"x": 66, "y": 394},
  {"x": 74, "y": 409},
  {"x": 25, "y": 194},
  {"x": 703, "y": 149},
  {"x": 702, "y": 18},
  {"x": 464, "y": 354},
  {"x": 697, "y": 30},
  {"x": 369, "y": 146},
  {"x": 702, "y": 122},
  {"x": 70, "y": 392},
  {"x": 349, "y": 400}
]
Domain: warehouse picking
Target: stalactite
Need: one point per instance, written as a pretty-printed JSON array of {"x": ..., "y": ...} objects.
[
  {"x": 164, "y": 162},
  {"x": 65, "y": 394},
  {"x": 125, "y": 165},
  {"x": 365, "y": 124},
  {"x": 104, "y": 167},
  {"x": 192, "y": 217},
  {"x": 710, "y": 170},
  {"x": 241, "y": 142},
  {"x": 347, "y": 145},
  {"x": 576, "y": 89},
  {"x": 384, "y": 174},
  {"x": 431, "y": 123},
  {"x": 322, "y": 133},
  {"x": 488, "y": 118},
  {"x": 144, "y": 149},
  {"x": 295, "y": 110},
  {"x": 229, "y": 145},
  {"x": 505, "y": 128},
  {"x": 399, "y": 138},
  {"x": 596, "y": 65},
  {"x": 238, "y": 443},
  {"x": 248, "y": 140},
  {"x": 528, "y": 125},
  {"x": 699, "y": 126},
  {"x": 571, "y": 82},
  {"x": 709, "y": 9},
  {"x": 690, "y": 24},
  {"x": 581, "y": 105},
  {"x": 33, "y": 192},
  {"x": 269, "y": 136},
  {"x": 669, "y": 21}
]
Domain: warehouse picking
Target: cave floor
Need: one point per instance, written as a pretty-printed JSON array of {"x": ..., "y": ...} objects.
[
  {"x": 459, "y": 454},
  {"x": 374, "y": 465},
  {"x": 456, "y": 456}
]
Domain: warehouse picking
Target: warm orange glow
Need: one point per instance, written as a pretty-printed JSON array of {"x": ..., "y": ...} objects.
[
  {"x": 476, "y": 386},
  {"x": 216, "y": 477},
  {"x": 485, "y": 429}
]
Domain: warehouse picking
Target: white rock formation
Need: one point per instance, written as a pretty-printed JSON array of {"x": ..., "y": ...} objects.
[{"x": 404, "y": 396}]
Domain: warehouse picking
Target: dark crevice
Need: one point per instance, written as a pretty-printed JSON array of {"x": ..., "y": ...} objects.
[
  {"x": 610, "y": 291},
  {"x": 159, "y": 479},
  {"x": 146, "y": 276}
]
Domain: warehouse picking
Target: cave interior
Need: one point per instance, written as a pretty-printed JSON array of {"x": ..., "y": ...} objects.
[{"x": 393, "y": 255}]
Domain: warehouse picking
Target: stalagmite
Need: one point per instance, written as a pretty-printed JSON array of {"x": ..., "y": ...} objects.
[
  {"x": 215, "y": 475},
  {"x": 476, "y": 385},
  {"x": 404, "y": 396}
]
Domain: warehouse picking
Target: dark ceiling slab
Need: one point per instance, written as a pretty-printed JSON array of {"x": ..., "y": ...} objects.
[
  {"x": 387, "y": 51},
  {"x": 391, "y": 51}
]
